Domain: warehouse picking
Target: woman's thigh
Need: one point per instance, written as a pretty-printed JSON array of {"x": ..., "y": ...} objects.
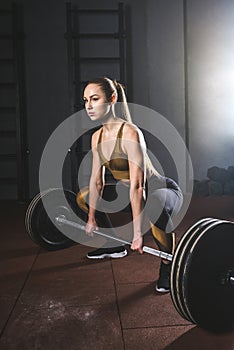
[{"x": 162, "y": 206}]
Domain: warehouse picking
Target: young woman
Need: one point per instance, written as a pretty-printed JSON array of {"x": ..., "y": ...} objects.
[{"x": 119, "y": 146}]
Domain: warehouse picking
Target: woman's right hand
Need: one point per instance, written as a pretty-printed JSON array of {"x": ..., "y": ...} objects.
[
  {"x": 90, "y": 227},
  {"x": 137, "y": 244}
]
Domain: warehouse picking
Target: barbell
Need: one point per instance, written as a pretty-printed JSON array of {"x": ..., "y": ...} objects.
[{"x": 202, "y": 271}]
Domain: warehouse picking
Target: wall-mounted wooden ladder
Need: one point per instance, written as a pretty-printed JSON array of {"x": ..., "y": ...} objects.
[
  {"x": 97, "y": 45},
  {"x": 13, "y": 148}
]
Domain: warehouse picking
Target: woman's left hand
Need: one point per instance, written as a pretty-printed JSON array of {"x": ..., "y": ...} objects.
[{"x": 137, "y": 244}]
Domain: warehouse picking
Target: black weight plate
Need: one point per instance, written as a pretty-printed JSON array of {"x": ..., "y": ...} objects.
[
  {"x": 181, "y": 265},
  {"x": 40, "y": 225},
  {"x": 176, "y": 262},
  {"x": 208, "y": 298},
  {"x": 31, "y": 208}
]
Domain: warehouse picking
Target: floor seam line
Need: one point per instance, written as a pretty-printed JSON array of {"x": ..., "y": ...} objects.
[
  {"x": 19, "y": 294},
  {"x": 117, "y": 305}
]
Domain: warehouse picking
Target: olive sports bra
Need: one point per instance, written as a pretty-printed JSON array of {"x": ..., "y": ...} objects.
[{"x": 118, "y": 163}]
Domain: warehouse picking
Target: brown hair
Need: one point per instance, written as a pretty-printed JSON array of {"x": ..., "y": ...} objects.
[{"x": 110, "y": 87}]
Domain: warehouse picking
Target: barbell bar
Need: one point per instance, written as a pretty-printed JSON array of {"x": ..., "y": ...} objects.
[
  {"x": 61, "y": 220},
  {"x": 202, "y": 270}
]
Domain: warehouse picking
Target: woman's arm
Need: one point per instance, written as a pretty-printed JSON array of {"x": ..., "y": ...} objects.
[
  {"x": 133, "y": 144},
  {"x": 95, "y": 187}
]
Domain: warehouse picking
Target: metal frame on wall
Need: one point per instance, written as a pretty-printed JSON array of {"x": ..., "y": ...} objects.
[
  {"x": 13, "y": 110},
  {"x": 78, "y": 63}
]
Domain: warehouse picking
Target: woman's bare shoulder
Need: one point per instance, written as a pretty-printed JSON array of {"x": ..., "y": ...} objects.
[{"x": 132, "y": 131}]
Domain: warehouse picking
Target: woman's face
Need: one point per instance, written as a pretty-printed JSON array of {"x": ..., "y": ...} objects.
[{"x": 96, "y": 104}]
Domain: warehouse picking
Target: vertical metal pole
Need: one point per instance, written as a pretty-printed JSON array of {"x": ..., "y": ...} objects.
[
  {"x": 68, "y": 37},
  {"x": 77, "y": 63},
  {"x": 77, "y": 94},
  {"x": 128, "y": 53},
  {"x": 21, "y": 134},
  {"x": 186, "y": 97},
  {"x": 122, "y": 43},
  {"x": 72, "y": 85}
]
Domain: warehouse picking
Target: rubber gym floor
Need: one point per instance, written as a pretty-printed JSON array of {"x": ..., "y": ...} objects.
[{"x": 62, "y": 300}]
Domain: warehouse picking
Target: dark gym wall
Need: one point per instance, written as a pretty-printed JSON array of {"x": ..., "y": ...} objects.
[
  {"x": 46, "y": 76},
  {"x": 46, "y": 68},
  {"x": 158, "y": 71}
]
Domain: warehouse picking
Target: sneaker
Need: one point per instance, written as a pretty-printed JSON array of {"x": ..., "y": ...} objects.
[
  {"x": 101, "y": 253},
  {"x": 163, "y": 284}
]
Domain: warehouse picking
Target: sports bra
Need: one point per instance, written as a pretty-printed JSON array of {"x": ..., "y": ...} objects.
[{"x": 118, "y": 163}]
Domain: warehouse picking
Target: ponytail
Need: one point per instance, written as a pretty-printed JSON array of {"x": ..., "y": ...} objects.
[{"x": 123, "y": 100}]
